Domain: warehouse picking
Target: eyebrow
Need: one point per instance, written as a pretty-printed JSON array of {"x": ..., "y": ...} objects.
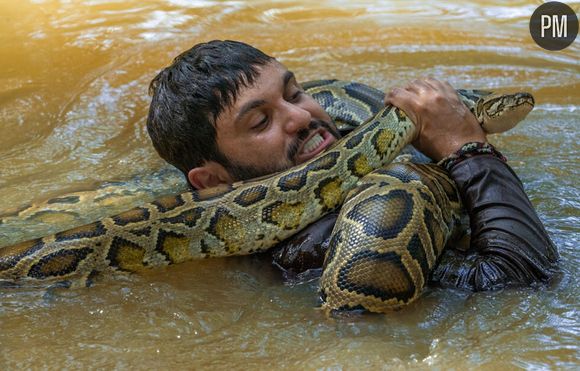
[{"x": 251, "y": 105}]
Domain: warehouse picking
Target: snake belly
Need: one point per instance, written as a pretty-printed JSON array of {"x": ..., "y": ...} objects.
[{"x": 252, "y": 216}]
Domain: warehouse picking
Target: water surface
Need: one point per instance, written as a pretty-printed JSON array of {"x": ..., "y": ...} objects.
[{"x": 73, "y": 102}]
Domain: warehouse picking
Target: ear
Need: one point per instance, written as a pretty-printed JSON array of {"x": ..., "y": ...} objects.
[{"x": 209, "y": 175}]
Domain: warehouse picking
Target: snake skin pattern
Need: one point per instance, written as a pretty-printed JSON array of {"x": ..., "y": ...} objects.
[
  {"x": 398, "y": 219},
  {"x": 252, "y": 216}
]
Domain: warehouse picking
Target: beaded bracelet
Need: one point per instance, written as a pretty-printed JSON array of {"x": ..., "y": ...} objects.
[{"x": 469, "y": 150}]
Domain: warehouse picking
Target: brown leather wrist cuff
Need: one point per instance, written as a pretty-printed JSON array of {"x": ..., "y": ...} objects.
[{"x": 469, "y": 150}]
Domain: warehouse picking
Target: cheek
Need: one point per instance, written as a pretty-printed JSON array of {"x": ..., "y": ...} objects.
[
  {"x": 269, "y": 148},
  {"x": 277, "y": 146}
]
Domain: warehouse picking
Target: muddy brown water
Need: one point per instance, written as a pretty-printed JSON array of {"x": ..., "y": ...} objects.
[{"x": 73, "y": 102}]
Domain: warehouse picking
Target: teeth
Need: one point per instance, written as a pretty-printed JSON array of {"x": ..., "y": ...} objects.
[{"x": 313, "y": 143}]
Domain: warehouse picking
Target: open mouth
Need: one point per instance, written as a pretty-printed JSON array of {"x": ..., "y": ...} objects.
[{"x": 314, "y": 145}]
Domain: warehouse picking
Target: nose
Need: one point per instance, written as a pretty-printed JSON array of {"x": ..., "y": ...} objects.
[{"x": 297, "y": 118}]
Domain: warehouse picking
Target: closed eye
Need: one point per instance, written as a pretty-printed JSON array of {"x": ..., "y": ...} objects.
[
  {"x": 262, "y": 124},
  {"x": 296, "y": 95}
]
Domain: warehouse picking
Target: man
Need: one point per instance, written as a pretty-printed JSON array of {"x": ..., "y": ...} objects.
[{"x": 224, "y": 111}]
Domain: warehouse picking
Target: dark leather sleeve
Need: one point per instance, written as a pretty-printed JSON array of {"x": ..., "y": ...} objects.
[
  {"x": 306, "y": 249},
  {"x": 509, "y": 245}
]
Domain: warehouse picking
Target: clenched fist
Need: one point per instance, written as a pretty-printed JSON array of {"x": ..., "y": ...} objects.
[{"x": 444, "y": 123}]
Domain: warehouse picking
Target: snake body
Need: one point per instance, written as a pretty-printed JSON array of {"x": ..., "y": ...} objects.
[
  {"x": 252, "y": 216},
  {"x": 400, "y": 217}
]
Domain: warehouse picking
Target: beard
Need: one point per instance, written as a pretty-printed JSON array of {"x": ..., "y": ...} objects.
[{"x": 244, "y": 172}]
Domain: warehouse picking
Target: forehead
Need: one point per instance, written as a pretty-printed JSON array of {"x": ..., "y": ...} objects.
[{"x": 270, "y": 79}]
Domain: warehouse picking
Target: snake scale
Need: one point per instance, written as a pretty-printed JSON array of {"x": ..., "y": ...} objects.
[{"x": 393, "y": 225}]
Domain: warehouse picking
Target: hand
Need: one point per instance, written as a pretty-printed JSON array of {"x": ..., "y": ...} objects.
[{"x": 444, "y": 123}]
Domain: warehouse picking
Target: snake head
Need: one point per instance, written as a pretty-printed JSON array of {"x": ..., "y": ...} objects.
[{"x": 501, "y": 112}]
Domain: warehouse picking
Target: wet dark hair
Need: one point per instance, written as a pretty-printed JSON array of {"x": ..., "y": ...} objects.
[{"x": 190, "y": 94}]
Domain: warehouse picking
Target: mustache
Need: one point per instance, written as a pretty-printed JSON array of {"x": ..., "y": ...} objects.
[{"x": 303, "y": 133}]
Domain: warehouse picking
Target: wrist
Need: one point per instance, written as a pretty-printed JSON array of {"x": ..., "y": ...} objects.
[
  {"x": 440, "y": 147},
  {"x": 443, "y": 140},
  {"x": 468, "y": 150},
  {"x": 454, "y": 145}
]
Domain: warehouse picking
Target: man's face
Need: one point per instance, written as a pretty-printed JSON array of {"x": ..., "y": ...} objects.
[{"x": 272, "y": 126}]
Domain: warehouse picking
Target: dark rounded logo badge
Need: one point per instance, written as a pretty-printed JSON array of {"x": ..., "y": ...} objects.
[{"x": 554, "y": 25}]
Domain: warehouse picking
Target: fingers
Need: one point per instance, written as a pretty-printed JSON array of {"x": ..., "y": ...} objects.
[
  {"x": 415, "y": 97},
  {"x": 404, "y": 99},
  {"x": 443, "y": 122},
  {"x": 443, "y": 86},
  {"x": 420, "y": 85},
  {"x": 417, "y": 87}
]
